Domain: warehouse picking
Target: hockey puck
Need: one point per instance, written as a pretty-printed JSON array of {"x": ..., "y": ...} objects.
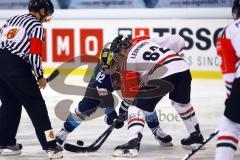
[{"x": 80, "y": 143}]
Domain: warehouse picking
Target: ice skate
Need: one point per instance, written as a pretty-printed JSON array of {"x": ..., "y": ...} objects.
[
  {"x": 162, "y": 138},
  {"x": 10, "y": 150},
  {"x": 55, "y": 152},
  {"x": 129, "y": 149},
  {"x": 193, "y": 140}
]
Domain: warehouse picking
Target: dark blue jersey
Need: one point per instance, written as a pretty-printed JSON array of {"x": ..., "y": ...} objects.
[{"x": 101, "y": 79}]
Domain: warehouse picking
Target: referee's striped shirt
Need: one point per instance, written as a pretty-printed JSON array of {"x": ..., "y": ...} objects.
[{"x": 23, "y": 36}]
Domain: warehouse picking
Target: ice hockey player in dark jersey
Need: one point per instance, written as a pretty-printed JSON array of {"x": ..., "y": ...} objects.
[
  {"x": 101, "y": 83},
  {"x": 21, "y": 41}
]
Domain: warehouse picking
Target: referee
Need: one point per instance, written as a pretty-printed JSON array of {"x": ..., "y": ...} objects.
[{"x": 21, "y": 40}]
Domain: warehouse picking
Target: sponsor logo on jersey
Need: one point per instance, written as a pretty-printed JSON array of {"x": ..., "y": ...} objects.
[
  {"x": 12, "y": 33},
  {"x": 49, "y": 135}
]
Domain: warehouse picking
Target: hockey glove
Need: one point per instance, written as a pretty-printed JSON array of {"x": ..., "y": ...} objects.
[
  {"x": 123, "y": 111},
  {"x": 111, "y": 116},
  {"x": 115, "y": 45}
]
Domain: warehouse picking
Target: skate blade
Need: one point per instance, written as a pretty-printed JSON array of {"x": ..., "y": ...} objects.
[
  {"x": 53, "y": 155},
  {"x": 125, "y": 153},
  {"x": 193, "y": 146},
  {"x": 8, "y": 152}
]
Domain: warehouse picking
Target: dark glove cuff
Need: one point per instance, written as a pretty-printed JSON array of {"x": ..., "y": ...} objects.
[{"x": 40, "y": 77}]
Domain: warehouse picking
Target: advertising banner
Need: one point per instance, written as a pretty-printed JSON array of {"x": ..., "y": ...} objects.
[{"x": 68, "y": 39}]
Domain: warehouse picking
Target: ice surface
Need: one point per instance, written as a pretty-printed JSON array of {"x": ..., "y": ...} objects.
[{"x": 207, "y": 98}]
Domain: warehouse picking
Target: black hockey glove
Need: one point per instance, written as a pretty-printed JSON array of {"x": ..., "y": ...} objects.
[
  {"x": 113, "y": 117},
  {"x": 116, "y": 43},
  {"x": 123, "y": 111}
]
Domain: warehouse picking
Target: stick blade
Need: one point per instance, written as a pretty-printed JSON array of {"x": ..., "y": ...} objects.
[{"x": 73, "y": 148}]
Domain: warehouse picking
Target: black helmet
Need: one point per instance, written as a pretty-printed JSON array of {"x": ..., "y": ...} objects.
[
  {"x": 236, "y": 9},
  {"x": 36, "y": 5},
  {"x": 118, "y": 44}
]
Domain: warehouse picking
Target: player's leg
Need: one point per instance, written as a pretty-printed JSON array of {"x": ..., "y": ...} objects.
[
  {"x": 227, "y": 140},
  {"x": 153, "y": 123},
  {"x": 85, "y": 108},
  {"x": 189, "y": 118},
  {"x": 10, "y": 114},
  {"x": 135, "y": 128},
  {"x": 229, "y": 130},
  {"x": 180, "y": 97},
  {"x": 136, "y": 122}
]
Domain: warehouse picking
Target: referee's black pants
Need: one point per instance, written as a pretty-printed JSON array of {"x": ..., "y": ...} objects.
[{"x": 18, "y": 87}]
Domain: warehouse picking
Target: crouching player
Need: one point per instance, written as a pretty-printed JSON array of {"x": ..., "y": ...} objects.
[
  {"x": 99, "y": 94},
  {"x": 143, "y": 64}
]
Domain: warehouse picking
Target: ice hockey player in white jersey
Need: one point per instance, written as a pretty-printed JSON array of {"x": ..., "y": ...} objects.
[
  {"x": 142, "y": 63},
  {"x": 228, "y": 48},
  {"x": 89, "y": 104}
]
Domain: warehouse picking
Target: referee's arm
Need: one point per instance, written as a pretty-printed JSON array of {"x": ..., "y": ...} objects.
[{"x": 36, "y": 43}]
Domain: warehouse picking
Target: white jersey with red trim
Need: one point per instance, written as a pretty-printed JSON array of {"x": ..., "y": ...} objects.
[
  {"x": 232, "y": 32},
  {"x": 147, "y": 55}
]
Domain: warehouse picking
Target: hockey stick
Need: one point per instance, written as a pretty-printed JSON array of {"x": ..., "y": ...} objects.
[
  {"x": 53, "y": 75},
  {"x": 94, "y": 146},
  {"x": 201, "y": 145}
]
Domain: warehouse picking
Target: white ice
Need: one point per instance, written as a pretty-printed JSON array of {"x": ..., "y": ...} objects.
[{"x": 207, "y": 98}]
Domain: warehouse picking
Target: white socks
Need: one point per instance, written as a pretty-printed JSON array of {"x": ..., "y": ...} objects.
[
  {"x": 187, "y": 114},
  {"x": 227, "y": 139},
  {"x": 135, "y": 122}
]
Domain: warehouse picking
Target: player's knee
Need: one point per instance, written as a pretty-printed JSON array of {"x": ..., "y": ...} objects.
[
  {"x": 180, "y": 107},
  {"x": 86, "y": 107}
]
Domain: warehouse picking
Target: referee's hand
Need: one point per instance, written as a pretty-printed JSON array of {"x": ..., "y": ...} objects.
[{"x": 42, "y": 83}]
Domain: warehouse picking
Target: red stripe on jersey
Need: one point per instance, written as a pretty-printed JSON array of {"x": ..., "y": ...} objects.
[
  {"x": 169, "y": 56},
  {"x": 137, "y": 120},
  {"x": 138, "y": 39},
  {"x": 36, "y": 46},
  {"x": 235, "y": 140},
  {"x": 185, "y": 113},
  {"x": 161, "y": 61}
]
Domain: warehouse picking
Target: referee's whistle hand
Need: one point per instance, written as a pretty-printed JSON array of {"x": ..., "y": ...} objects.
[{"x": 42, "y": 83}]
